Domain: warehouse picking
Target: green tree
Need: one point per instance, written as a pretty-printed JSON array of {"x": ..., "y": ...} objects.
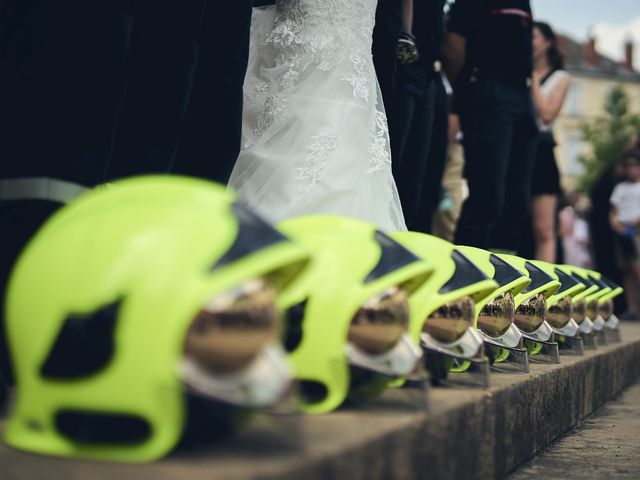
[{"x": 608, "y": 135}]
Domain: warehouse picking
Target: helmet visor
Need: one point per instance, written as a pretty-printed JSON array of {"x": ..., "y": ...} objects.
[
  {"x": 606, "y": 309},
  {"x": 497, "y": 315},
  {"x": 231, "y": 352},
  {"x": 231, "y": 330},
  {"x": 580, "y": 311},
  {"x": 449, "y": 322},
  {"x": 560, "y": 312},
  {"x": 531, "y": 313},
  {"x": 592, "y": 309},
  {"x": 380, "y": 323}
]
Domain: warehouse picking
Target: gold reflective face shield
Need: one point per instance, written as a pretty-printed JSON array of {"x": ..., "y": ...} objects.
[
  {"x": 531, "y": 313},
  {"x": 381, "y": 321},
  {"x": 449, "y": 322},
  {"x": 230, "y": 331},
  {"x": 497, "y": 315}
]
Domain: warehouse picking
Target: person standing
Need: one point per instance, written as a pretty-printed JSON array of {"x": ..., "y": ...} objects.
[
  {"x": 418, "y": 127},
  {"x": 210, "y": 141},
  {"x": 64, "y": 70},
  {"x": 61, "y": 80},
  {"x": 549, "y": 90},
  {"x": 603, "y": 238},
  {"x": 624, "y": 217},
  {"x": 388, "y": 25},
  {"x": 488, "y": 56},
  {"x": 573, "y": 230},
  {"x": 454, "y": 185}
]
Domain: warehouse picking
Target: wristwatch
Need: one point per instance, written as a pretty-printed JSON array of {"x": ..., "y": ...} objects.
[{"x": 406, "y": 50}]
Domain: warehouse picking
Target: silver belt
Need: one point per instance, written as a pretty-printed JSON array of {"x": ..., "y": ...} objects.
[{"x": 40, "y": 188}]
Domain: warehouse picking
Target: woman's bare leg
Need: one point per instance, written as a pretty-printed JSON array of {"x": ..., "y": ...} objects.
[{"x": 543, "y": 217}]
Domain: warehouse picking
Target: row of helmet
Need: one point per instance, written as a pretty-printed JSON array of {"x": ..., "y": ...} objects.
[{"x": 143, "y": 307}]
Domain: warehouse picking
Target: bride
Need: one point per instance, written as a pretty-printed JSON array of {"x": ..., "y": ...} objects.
[{"x": 315, "y": 137}]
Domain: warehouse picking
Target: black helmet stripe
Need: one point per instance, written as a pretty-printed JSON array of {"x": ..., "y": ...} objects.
[
  {"x": 465, "y": 274},
  {"x": 392, "y": 257},
  {"x": 566, "y": 281},
  {"x": 254, "y": 234},
  {"x": 538, "y": 277},
  {"x": 504, "y": 273}
]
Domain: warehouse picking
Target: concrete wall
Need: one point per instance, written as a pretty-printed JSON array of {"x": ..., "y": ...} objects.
[{"x": 464, "y": 434}]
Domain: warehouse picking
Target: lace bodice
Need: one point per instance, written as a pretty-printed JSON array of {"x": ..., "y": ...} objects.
[{"x": 323, "y": 34}]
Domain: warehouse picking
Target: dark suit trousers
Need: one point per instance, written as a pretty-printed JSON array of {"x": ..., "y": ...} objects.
[
  {"x": 500, "y": 138},
  {"x": 61, "y": 80},
  {"x": 19, "y": 220},
  {"x": 385, "y": 40},
  {"x": 182, "y": 110},
  {"x": 419, "y": 146},
  {"x": 213, "y": 125}
]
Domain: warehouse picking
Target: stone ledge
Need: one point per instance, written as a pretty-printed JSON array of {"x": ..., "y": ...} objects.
[{"x": 465, "y": 434}]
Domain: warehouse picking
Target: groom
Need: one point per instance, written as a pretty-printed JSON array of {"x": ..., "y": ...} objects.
[
  {"x": 62, "y": 71},
  {"x": 182, "y": 111}
]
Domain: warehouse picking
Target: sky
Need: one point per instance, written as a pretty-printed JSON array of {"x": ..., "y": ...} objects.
[{"x": 612, "y": 22}]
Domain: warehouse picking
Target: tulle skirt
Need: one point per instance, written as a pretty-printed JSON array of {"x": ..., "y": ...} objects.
[{"x": 315, "y": 137}]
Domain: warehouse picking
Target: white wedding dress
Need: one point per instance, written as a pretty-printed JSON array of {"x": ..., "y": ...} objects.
[{"x": 315, "y": 136}]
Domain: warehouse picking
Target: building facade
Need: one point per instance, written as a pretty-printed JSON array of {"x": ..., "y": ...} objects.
[{"x": 594, "y": 76}]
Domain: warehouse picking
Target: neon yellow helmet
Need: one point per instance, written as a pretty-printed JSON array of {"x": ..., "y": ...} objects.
[
  {"x": 579, "y": 299},
  {"x": 442, "y": 310},
  {"x": 560, "y": 304},
  {"x": 616, "y": 290},
  {"x": 531, "y": 308},
  {"x": 132, "y": 296},
  {"x": 606, "y": 308},
  {"x": 348, "y": 316},
  {"x": 495, "y": 313},
  {"x": 560, "y": 313},
  {"x": 592, "y": 300}
]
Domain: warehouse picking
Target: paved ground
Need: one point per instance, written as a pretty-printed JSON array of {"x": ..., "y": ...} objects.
[{"x": 606, "y": 446}]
